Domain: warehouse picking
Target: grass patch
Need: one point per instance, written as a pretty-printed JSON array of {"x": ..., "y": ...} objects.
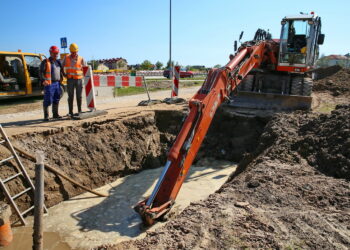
[
  {"x": 125, "y": 91},
  {"x": 134, "y": 90},
  {"x": 166, "y": 79}
]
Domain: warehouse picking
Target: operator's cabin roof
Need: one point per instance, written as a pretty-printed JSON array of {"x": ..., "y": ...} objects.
[{"x": 301, "y": 16}]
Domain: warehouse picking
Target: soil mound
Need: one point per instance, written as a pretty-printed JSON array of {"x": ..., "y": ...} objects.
[
  {"x": 321, "y": 73},
  {"x": 337, "y": 83},
  {"x": 284, "y": 194},
  {"x": 325, "y": 142}
]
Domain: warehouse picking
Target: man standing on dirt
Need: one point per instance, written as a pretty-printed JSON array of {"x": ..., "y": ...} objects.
[
  {"x": 73, "y": 68},
  {"x": 51, "y": 75}
]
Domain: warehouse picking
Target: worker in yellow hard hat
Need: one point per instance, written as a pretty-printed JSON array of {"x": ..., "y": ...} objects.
[{"x": 73, "y": 68}]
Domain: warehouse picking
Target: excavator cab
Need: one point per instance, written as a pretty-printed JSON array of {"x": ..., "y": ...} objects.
[
  {"x": 285, "y": 84},
  {"x": 299, "y": 42}
]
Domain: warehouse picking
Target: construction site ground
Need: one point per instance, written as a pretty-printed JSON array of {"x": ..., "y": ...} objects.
[
  {"x": 291, "y": 188},
  {"x": 98, "y": 220}
]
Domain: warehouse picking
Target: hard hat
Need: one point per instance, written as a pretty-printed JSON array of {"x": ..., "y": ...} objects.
[
  {"x": 73, "y": 47},
  {"x": 54, "y": 49}
]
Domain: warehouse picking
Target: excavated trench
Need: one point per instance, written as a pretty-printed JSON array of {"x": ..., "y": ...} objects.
[{"x": 99, "y": 152}]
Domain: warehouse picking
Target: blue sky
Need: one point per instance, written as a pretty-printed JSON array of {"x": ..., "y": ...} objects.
[{"x": 203, "y": 30}]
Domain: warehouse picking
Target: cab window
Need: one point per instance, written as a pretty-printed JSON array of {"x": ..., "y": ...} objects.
[
  {"x": 12, "y": 77},
  {"x": 33, "y": 66}
]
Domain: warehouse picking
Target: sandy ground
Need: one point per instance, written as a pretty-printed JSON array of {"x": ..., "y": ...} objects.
[
  {"x": 21, "y": 122},
  {"x": 95, "y": 221}
]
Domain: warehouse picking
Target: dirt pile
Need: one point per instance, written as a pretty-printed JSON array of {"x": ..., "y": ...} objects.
[
  {"x": 284, "y": 194},
  {"x": 321, "y": 73},
  {"x": 325, "y": 142},
  {"x": 337, "y": 83}
]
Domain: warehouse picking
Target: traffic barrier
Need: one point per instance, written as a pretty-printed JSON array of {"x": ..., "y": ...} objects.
[
  {"x": 117, "y": 81},
  {"x": 175, "y": 90},
  {"x": 89, "y": 88}
]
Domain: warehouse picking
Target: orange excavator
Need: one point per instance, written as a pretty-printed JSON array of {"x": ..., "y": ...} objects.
[{"x": 262, "y": 68}]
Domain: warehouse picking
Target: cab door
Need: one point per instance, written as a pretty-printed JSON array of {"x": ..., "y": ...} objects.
[{"x": 33, "y": 69}]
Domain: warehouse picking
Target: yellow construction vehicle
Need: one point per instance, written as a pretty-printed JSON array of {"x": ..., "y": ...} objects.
[{"x": 19, "y": 74}]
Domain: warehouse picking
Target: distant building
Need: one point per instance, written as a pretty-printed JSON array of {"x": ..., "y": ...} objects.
[
  {"x": 102, "y": 67},
  {"x": 113, "y": 63},
  {"x": 336, "y": 60}
]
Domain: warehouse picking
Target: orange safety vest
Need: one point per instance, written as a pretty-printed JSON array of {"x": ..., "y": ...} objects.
[
  {"x": 47, "y": 74},
  {"x": 73, "y": 71}
]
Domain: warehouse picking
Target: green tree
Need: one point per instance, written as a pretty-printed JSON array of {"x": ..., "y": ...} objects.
[
  {"x": 93, "y": 63},
  {"x": 217, "y": 66},
  {"x": 121, "y": 64},
  {"x": 146, "y": 65},
  {"x": 159, "y": 65},
  {"x": 168, "y": 64}
]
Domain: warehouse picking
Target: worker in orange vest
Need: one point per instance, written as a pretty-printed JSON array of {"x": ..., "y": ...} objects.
[
  {"x": 51, "y": 75},
  {"x": 73, "y": 68}
]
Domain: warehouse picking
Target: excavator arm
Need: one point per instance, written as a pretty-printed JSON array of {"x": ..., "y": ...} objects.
[{"x": 214, "y": 91}]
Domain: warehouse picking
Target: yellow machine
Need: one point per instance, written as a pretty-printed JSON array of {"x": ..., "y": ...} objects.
[{"x": 19, "y": 74}]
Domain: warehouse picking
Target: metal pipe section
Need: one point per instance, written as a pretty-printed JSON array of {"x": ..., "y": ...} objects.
[
  {"x": 236, "y": 60},
  {"x": 160, "y": 180},
  {"x": 146, "y": 87},
  {"x": 38, "y": 202}
]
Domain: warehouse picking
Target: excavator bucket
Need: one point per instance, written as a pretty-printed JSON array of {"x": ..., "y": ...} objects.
[{"x": 250, "y": 103}]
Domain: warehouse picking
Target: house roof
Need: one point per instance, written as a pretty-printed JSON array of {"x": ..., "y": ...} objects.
[
  {"x": 111, "y": 60},
  {"x": 337, "y": 57}
]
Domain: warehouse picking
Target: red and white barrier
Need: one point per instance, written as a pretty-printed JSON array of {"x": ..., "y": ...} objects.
[
  {"x": 117, "y": 81},
  {"x": 175, "y": 90},
  {"x": 89, "y": 88}
]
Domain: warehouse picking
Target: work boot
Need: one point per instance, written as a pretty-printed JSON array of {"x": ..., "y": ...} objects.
[
  {"x": 70, "y": 111},
  {"x": 46, "y": 113},
  {"x": 79, "y": 106},
  {"x": 55, "y": 114}
]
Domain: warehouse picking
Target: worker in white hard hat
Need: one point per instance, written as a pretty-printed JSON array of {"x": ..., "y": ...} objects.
[{"x": 73, "y": 68}]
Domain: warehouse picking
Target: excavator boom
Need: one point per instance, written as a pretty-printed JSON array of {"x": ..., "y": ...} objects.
[{"x": 218, "y": 86}]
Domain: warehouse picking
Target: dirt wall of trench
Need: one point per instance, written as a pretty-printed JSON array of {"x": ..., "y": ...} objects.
[
  {"x": 94, "y": 154},
  {"x": 99, "y": 152}
]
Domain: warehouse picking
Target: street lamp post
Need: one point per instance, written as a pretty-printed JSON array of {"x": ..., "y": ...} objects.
[{"x": 170, "y": 62}]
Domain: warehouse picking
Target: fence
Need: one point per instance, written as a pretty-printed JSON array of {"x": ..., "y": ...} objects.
[{"x": 117, "y": 81}]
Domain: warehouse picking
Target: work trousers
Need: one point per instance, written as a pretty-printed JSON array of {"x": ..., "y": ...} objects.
[
  {"x": 76, "y": 84},
  {"x": 52, "y": 94}
]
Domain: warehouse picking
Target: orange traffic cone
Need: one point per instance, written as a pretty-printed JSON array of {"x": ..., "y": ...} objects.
[
  {"x": 6, "y": 236},
  {"x": 5, "y": 225}
]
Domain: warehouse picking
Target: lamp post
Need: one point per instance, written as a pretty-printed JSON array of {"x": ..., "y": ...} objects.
[{"x": 171, "y": 73}]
